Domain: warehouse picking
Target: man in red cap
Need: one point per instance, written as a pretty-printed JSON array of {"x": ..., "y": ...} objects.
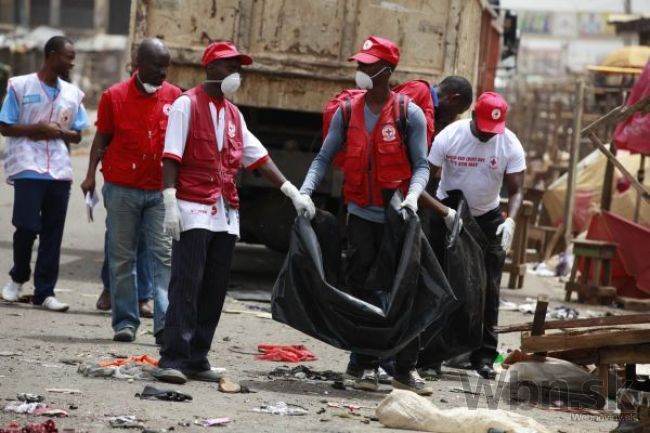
[
  {"x": 131, "y": 123},
  {"x": 207, "y": 142},
  {"x": 475, "y": 156},
  {"x": 378, "y": 154}
]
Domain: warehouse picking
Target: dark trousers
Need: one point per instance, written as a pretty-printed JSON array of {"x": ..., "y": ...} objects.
[
  {"x": 364, "y": 240},
  {"x": 494, "y": 260},
  {"x": 197, "y": 289},
  {"x": 40, "y": 207}
]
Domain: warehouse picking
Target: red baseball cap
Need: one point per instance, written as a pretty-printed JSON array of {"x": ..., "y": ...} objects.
[
  {"x": 490, "y": 110},
  {"x": 224, "y": 50},
  {"x": 375, "y": 49}
]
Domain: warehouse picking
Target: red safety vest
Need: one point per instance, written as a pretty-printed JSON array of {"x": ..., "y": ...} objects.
[
  {"x": 133, "y": 157},
  {"x": 205, "y": 173},
  {"x": 376, "y": 161}
]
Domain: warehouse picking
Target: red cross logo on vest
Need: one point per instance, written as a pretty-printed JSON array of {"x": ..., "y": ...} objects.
[{"x": 388, "y": 133}]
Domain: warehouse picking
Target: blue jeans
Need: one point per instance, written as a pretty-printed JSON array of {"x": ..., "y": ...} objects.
[
  {"x": 134, "y": 215},
  {"x": 142, "y": 272},
  {"x": 40, "y": 208}
]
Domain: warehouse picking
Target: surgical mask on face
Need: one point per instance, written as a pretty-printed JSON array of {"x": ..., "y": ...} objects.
[
  {"x": 364, "y": 81},
  {"x": 149, "y": 88},
  {"x": 229, "y": 85}
]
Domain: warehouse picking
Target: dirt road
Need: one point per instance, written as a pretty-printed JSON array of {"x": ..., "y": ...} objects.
[{"x": 40, "y": 341}]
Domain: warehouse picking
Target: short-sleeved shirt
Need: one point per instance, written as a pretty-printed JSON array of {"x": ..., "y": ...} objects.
[
  {"x": 477, "y": 168},
  {"x": 10, "y": 114},
  {"x": 198, "y": 215}
]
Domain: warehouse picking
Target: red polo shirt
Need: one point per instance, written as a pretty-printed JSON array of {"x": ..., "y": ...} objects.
[{"x": 137, "y": 123}]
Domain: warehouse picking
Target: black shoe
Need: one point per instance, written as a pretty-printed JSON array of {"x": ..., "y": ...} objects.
[
  {"x": 486, "y": 372},
  {"x": 125, "y": 335},
  {"x": 411, "y": 381},
  {"x": 212, "y": 375},
  {"x": 354, "y": 372},
  {"x": 432, "y": 372},
  {"x": 169, "y": 375}
]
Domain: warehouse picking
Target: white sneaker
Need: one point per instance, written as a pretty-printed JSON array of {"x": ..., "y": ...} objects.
[
  {"x": 53, "y": 304},
  {"x": 11, "y": 292}
]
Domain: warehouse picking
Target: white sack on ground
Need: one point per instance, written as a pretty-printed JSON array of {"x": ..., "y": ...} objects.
[{"x": 407, "y": 410}]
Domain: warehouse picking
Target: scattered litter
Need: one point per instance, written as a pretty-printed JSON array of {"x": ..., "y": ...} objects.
[
  {"x": 349, "y": 406},
  {"x": 125, "y": 421},
  {"x": 140, "y": 359},
  {"x": 7, "y": 353},
  {"x": 542, "y": 270},
  {"x": 30, "y": 398},
  {"x": 44, "y": 427},
  {"x": 457, "y": 390},
  {"x": 295, "y": 353},
  {"x": 228, "y": 386},
  {"x": 35, "y": 408},
  {"x": 128, "y": 371},
  {"x": 505, "y": 305},
  {"x": 304, "y": 372},
  {"x": 528, "y": 308},
  {"x": 211, "y": 422},
  {"x": 64, "y": 391},
  {"x": 563, "y": 313},
  {"x": 163, "y": 394},
  {"x": 282, "y": 408},
  {"x": 70, "y": 361},
  {"x": 409, "y": 411},
  {"x": 261, "y": 315}
]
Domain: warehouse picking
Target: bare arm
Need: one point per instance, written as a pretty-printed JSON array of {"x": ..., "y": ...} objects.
[
  {"x": 514, "y": 183},
  {"x": 100, "y": 142},
  {"x": 428, "y": 201},
  {"x": 35, "y": 131},
  {"x": 272, "y": 173}
]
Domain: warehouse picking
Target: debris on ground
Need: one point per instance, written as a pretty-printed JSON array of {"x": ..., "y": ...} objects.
[
  {"x": 30, "y": 398},
  {"x": 563, "y": 313},
  {"x": 34, "y": 408},
  {"x": 229, "y": 387},
  {"x": 126, "y": 371},
  {"x": 349, "y": 406},
  {"x": 282, "y": 408},
  {"x": 64, "y": 391},
  {"x": 211, "y": 422},
  {"x": 48, "y": 426},
  {"x": 302, "y": 372},
  {"x": 125, "y": 421},
  {"x": 294, "y": 353},
  {"x": 409, "y": 411},
  {"x": 151, "y": 392}
]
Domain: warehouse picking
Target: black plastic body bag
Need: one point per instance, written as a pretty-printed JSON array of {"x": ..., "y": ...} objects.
[
  {"x": 417, "y": 296},
  {"x": 461, "y": 253}
]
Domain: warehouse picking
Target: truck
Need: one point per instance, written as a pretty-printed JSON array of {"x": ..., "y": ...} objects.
[{"x": 300, "y": 50}]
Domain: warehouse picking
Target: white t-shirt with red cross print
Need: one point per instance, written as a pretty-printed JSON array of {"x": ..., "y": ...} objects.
[{"x": 477, "y": 168}]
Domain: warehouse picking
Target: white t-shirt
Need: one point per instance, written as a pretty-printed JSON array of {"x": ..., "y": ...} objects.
[
  {"x": 474, "y": 167},
  {"x": 218, "y": 217}
]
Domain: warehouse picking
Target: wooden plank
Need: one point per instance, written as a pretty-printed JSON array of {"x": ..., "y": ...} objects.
[
  {"x": 596, "y": 339},
  {"x": 634, "y": 304},
  {"x": 637, "y": 353},
  {"x": 572, "y": 175},
  {"x": 592, "y": 322}
]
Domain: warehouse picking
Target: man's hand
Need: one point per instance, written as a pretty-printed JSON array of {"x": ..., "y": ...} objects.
[
  {"x": 449, "y": 219},
  {"x": 172, "y": 222},
  {"x": 507, "y": 232},
  {"x": 411, "y": 202},
  {"x": 302, "y": 202},
  {"x": 50, "y": 130},
  {"x": 88, "y": 185}
]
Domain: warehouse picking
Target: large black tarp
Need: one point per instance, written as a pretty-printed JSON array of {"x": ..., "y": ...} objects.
[
  {"x": 416, "y": 294},
  {"x": 461, "y": 253}
]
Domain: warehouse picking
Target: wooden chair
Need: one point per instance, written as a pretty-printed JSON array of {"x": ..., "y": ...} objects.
[
  {"x": 592, "y": 289},
  {"x": 516, "y": 260}
]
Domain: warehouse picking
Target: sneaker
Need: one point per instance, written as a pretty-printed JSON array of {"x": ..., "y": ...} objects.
[
  {"x": 412, "y": 381},
  {"x": 169, "y": 375},
  {"x": 104, "y": 301},
  {"x": 369, "y": 381},
  {"x": 11, "y": 292},
  {"x": 212, "y": 375},
  {"x": 53, "y": 304},
  {"x": 383, "y": 377},
  {"x": 486, "y": 372},
  {"x": 146, "y": 309},
  {"x": 125, "y": 335}
]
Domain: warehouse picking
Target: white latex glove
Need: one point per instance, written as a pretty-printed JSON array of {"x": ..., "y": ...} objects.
[
  {"x": 302, "y": 202},
  {"x": 507, "y": 232},
  {"x": 411, "y": 202},
  {"x": 172, "y": 221},
  {"x": 449, "y": 219}
]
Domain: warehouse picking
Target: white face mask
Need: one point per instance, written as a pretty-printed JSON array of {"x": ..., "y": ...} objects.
[
  {"x": 229, "y": 85},
  {"x": 149, "y": 88},
  {"x": 364, "y": 81}
]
